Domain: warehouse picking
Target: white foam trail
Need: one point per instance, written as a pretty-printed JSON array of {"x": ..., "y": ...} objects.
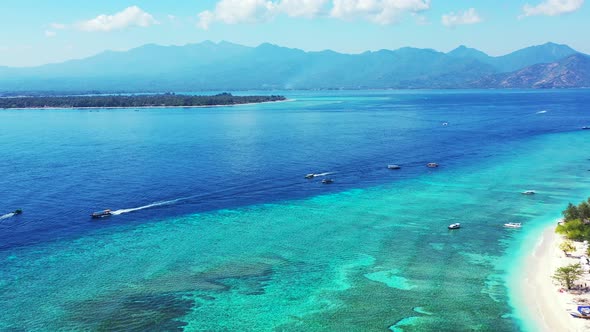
[
  {"x": 541, "y": 112},
  {"x": 322, "y": 174},
  {"x": 121, "y": 211},
  {"x": 6, "y": 216}
]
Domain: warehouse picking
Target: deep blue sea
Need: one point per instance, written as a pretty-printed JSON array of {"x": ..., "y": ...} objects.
[{"x": 216, "y": 228}]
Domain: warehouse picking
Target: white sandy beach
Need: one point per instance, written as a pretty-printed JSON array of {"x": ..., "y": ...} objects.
[{"x": 548, "y": 306}]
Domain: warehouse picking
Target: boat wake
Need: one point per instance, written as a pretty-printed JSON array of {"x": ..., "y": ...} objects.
[
  {"x": 323, "y": 174},
  {"x": 122, "y": 211},
  {"x": 8, "y": 215}
]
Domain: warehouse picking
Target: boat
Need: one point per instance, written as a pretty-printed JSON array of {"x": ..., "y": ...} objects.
[
  {"x": 17, "y": 212},
  {"x": 432, "y": 165},
  {"x": 585, "y": 127},
  {"x": 327, "y": 181},
  {"x": 445, "y": 123},
  {"x": 101, "y": 214},
  {"x": 455, "y": 226},
  {"x": 512, "y": 225},
  {"x": 394, "y": 166},
  {"x": 583, "y": 311},
  {"x": 528, "y": 192},
  {"x": 310, "y": 176}
]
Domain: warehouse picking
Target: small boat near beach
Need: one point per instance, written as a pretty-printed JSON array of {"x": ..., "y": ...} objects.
[
  {"x": 512, "y": 225},
  {"x": 394, "y": 167},
  {"x": 327, "y": 181},
  {"x": 455, "y": 226},
  {"x": 585, "y": 127},
  {"x": 583, "y": 311},
  {"x": 432, "y": 165},
  {"x": 528, "y": 192},
  {"x": 101, "y": 214}
]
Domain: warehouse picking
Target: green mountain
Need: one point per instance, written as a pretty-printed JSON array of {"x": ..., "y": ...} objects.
[
  {"x": 227, "y": 66},
  {"x": 570, "y": 72}
]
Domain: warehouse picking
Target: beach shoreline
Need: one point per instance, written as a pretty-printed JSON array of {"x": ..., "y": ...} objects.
[{"x": 538, "y": 297}]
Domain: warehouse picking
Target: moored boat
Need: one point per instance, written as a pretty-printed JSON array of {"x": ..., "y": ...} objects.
[
  {"x": 432, "y": 165},
  {"x": 327, "y": 181},
  {"x": 583, "y": 311},
  {"x": 101, "y": 214},
  {"x": 455, "y": 226},
  {"x": 512, "y": 225},
  {"x": 528, "y": 192},
  {"x": 585, "y": 127},
  {"x": 394, "y": 167}
]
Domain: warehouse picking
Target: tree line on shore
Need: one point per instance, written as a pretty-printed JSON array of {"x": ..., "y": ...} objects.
[
  {"x": 159, "y": 100},
  {"x": 576, "y": 222},
  {"x": 575, "y": 227}
]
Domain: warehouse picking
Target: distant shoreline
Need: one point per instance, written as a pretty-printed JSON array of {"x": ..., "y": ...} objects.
[
  {"x": 143, "y": 107},
  {"x": 168, "y": 100}
]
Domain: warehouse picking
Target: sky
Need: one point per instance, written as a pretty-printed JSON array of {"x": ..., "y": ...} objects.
[{"x": 35, "y": 32}]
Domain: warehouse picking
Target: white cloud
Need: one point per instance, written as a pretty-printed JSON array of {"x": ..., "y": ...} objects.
[
  {"x": 377, "y": 11},
  {"x": 49, "y": 33},
  {"x": 469, "y": 16},
  {"x": 130, "y": 16},
  {"x": 553, "y": 7},
  {"x": 252, "y": 11},
  {"x": 301, "y": 8},
  {"x": 237, "y": 11}
]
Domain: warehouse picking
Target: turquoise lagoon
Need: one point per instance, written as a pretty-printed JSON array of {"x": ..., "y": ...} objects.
[{"x": 370, "y": 257}]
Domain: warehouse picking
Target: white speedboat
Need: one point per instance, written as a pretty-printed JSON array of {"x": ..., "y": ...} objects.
[
  {"x": 455, "y": 226},
  {"x": 512, "y": 225},
  {"x": 528, "y": 192},
  {"x": 394, "y": 166}
]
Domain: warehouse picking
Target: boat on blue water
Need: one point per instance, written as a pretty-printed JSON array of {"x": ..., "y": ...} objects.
[
  {"x": 101, "y": 214},
  {"x": 585, "y": 127},
  {"x": 529, "y": 192},
  {"x": 455, "y": 226},
  {"x": 432, "y": 165},
  {"x": 512, "y": 225},
  {"x": 327, "y": 181},
  {"x": 394, "y": 167},
  {"x": 17, "y": 212}
]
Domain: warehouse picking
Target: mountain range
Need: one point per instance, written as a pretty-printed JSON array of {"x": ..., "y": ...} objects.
[{"x": 228, "y": 66}]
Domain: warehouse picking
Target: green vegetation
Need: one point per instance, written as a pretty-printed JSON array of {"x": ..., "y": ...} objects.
[
  {"x": 568, "y": 275},
  {"x": 567, "y": 246},
  {"x": 576, "y": 222},
  {"x": 161, "y": 100}
]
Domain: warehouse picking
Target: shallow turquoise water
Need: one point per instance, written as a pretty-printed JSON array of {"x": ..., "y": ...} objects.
[
  {"x": 364, "y": 259},
  {"x": 373, "y": 258}
]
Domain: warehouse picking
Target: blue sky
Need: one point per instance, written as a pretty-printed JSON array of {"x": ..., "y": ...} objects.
[{"x": 37, "y": 32}]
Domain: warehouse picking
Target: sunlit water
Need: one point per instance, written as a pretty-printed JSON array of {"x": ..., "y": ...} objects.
[{"x": 216, "y": 229}]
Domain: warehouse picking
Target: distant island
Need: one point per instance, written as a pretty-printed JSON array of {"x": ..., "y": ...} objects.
[{"x": 130, "y": 101}]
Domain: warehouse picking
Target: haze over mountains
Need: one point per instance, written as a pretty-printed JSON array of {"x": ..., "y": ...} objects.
[{"x": 227, "y": 66}]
